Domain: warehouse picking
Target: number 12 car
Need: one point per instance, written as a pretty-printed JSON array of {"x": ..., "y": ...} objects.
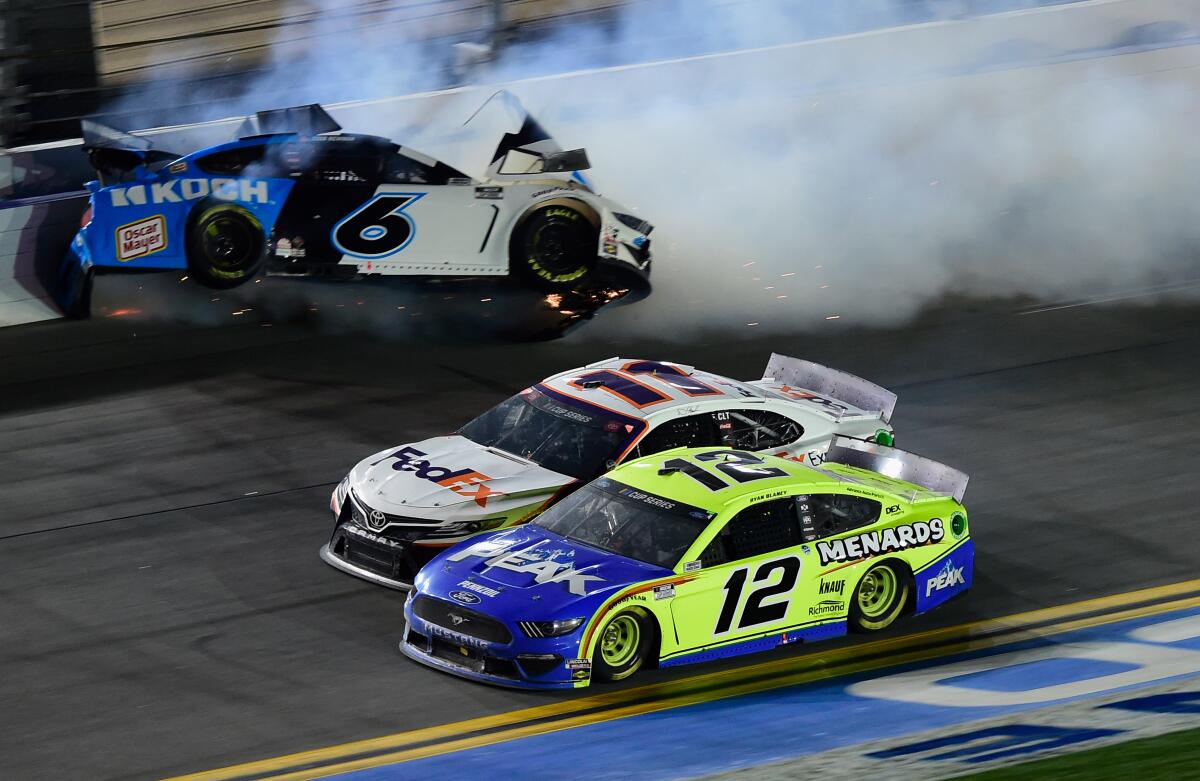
[{"x": 692, "y": 555}]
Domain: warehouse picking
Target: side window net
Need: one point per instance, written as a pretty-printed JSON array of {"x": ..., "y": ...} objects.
[
  {"x": 826, "y": 515},
  {"x": 756, "y": 429}
]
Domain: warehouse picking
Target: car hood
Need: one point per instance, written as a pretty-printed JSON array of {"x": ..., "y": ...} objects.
[
  {"x": 448, "y": 471},
  {"x": 529, "y": 573}
]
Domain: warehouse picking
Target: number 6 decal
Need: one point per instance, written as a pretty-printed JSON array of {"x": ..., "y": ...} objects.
[
  {"x": 755, "y": 612},
  {"x": 377, "y": 228}
]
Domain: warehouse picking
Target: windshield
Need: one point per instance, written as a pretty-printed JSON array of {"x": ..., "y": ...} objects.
[
  {"x": 617, "y": 518},
  {"x": 568, "y": 440}
]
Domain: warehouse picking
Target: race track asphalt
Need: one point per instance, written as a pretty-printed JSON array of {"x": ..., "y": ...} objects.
[{"x": 165, "y": 487}]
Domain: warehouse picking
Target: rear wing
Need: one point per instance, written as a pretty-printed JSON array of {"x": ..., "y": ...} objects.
[
  {"x": 839, "y": 385},
  {"x": 310, "y": 120},
  {"x": 115, "y": 155},
  {"x": 898, "y": 465}
]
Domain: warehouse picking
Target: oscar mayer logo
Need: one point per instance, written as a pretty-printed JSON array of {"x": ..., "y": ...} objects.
[
  {"x": 465, "y": 482},
  {"x": 141, "y": 238}
]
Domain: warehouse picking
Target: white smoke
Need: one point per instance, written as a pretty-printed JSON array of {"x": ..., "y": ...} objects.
[{"x": 860, "y": 180}]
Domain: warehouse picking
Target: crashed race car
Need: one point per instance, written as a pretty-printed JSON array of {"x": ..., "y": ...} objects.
[
  {"x": 695, "y": 555},
  {"x": 293, "y": 195},
  {"x": 399, "y": 507}
]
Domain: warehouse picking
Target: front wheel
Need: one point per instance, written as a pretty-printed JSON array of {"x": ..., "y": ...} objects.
[
  {"x": 225, "y": 245},
  {"x": 879, "y": 598},
  {"x": 622, "y": 647},
  {"x": 554, "y": 249}
]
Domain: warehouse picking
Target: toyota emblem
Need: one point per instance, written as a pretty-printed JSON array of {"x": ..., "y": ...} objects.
[{"x": 376, "y": 520}]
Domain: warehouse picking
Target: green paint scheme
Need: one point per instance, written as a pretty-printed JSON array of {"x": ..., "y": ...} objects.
[{"x": 706, "y": 606}]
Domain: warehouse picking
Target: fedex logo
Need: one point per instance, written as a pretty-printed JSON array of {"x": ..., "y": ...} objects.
[
  {"x": 180, "y": 190},
  {"x": 465, "y": 482}
]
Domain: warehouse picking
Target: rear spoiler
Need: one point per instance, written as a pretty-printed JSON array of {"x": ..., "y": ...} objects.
[
  {"x": 310, "y": 120},
  {"x": 839, "y": 385},
  {"x": 114, "y": 153},
  {"x": 898, "y": 465}
]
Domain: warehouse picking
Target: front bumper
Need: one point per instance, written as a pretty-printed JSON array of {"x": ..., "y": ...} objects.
[
  {"x": 501, "y": 664},
  {"x": 375, "y": 558}
]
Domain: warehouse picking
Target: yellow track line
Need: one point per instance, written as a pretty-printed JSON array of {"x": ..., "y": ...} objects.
[{"x": 769, "y": 675}]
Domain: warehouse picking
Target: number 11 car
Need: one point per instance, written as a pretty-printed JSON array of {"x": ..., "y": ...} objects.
[{"x": 692, "y": 555}]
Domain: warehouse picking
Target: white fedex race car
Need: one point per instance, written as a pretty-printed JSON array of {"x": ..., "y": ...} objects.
[{"x": 398, "y": 508}]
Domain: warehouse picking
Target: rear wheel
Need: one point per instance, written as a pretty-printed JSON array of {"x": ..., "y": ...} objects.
[
  {"x": 622, "y": 647},
  {"x": 554, "y": 249},
  {"x": 879, "y": 598},
  {"x": 225, "y": 245}
]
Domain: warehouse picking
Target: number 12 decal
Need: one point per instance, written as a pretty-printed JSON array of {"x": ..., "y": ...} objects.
[
  {"x": 742, "y": 467},
  {"x": 756, "y": 612},
  {"x": 377, "y": 228}
]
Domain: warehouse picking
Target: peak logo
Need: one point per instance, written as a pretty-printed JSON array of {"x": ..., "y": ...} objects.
[
  {"x": 180, "y": 190},
  {"x": 862, "y": 546},
  {"x": 949, "y": 577},
  {"x": 465, "y": 482},
  {"x": 542, "y": 564}
]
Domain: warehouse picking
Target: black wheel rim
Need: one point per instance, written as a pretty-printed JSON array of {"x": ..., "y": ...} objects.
[
  {"x": 558, "y": 247},
  {"x": 228, "y": 242}
]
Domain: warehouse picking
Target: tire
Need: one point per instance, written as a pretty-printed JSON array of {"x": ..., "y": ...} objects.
[
  {"x": 879, "y": 598},
  {"x": 554, "y": 248},
  {"x": 76, "y": 298},
  {"x": 226, "y": 245},
  {"x": 622, "y": 646}
]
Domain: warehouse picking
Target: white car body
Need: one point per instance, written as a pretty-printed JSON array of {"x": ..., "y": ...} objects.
[{"x": 405, "y": 503}]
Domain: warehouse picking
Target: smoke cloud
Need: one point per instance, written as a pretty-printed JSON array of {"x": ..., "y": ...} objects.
[{"x": 857, "y": 180}]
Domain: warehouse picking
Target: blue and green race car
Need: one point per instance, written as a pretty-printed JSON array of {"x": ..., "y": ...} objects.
[{"x": 691, "y": 555}]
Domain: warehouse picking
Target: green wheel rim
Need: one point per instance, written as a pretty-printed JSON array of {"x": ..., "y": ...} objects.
[
  {"x": 876, "y": 592},
  {"x": 620, "y": 641}
]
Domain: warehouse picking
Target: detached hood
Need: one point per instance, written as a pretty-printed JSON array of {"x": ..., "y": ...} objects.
[
  {"x": 531, "y": 573},
  {"x": 447, "y": 472}
]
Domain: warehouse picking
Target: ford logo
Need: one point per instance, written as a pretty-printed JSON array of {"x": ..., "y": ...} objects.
[{"x": 466, "y": 597}]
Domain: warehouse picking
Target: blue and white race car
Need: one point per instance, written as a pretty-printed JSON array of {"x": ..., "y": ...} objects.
[{"x": 296, "y": 196}]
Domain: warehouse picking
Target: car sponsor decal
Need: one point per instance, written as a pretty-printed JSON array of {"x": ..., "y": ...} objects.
[
  {"x": 465, "y": 482},
  {"x": 478, "y": 588},
  {"x": 833, "y": 587},
  {"x": 489, "y": 193},
  {"x": 948, "y": 577},
  {"x": 827, "y": 607},
  {"x": 546, "y": 565},
  {"x": 141, "y": 238},
  {"x": 875, "y": 543},
  {"x": 180, "y": 190},
  {"x": 665, "y": 591}
]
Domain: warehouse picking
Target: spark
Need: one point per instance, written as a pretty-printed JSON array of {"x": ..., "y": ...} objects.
[
  {"x": 751, "y": 323},
  {"x": 484, "y": 300},
  {"x": 834, "y": 317},
  {"x": 779, "y": 297},
  {"x": 788, "y": 274},
  {"x": 817, "y": 268},
  {"x": 184, "y": 278},
  {"x": 124, "y": 312},
  {"x": 748, "y": 265},
  {"x": 824, "y": 286},
  {"x": 554, "y": 300},
  {"x": 769, "y": 287}
]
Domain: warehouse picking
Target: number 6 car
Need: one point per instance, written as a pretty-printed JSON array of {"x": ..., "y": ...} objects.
[
  {"x": 298, "y": 197},
  {"x": 692, "y": 555}
]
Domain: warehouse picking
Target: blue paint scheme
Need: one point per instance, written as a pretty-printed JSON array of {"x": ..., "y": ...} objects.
[
  {"x": 520, "y": 597},
  {"x": 115, "y": 205},
  {"x": 929, "y": 595},
  {"x": 743, "y": 731},
  {"x": 1167, "y": 702}
]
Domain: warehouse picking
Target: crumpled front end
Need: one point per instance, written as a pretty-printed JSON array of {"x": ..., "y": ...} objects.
[{"x": 624, "y": 250}]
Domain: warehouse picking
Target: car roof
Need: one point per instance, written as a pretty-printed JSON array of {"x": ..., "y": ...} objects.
[
  {"x": 646, "y": 474},
  {"x": 639, "y": 388}
]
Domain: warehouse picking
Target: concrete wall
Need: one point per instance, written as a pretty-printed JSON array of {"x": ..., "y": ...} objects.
[{"x": 33, "y": 238}]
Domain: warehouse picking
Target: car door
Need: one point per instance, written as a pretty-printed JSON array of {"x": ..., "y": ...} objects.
[
  {"x": 747, "y": 581},
  {"x": 423, "y": 218}
]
